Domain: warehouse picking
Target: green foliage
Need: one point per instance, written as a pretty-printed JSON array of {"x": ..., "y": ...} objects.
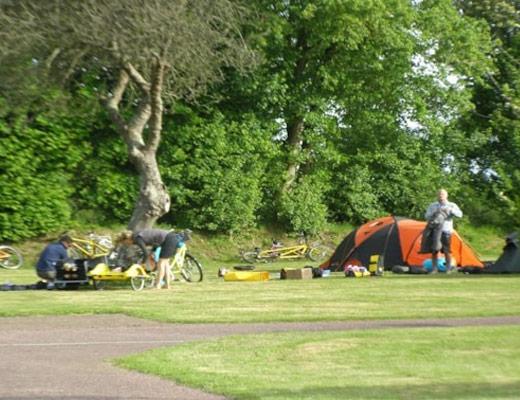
[
  {"x": 302, "y": 209},
  {"x": 38, "y": 153},
  {"x": 397, "y": 98},
  {"x": 492, "y": 161},
  {"x": 399, "y": 180},
  {"x": 215, "y": 174},
  {"x": 109, "y": 184}
]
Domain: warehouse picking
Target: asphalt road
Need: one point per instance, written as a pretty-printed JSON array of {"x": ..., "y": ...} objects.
[{"x": 68, "y": 357}]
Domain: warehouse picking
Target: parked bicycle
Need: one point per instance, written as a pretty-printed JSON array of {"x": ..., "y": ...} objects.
[
  {"x": 91, "y": 247},
  {"x": 10, "y": 258},
  {"x": 182, "y": 265},
  {"x": 314, "y": 252}
]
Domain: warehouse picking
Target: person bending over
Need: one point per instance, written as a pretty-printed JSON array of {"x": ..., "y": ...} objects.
[{"x": 154, "y": 238}]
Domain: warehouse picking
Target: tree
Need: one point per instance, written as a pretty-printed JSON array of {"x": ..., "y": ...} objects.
[
  {"x": 494, "y": 162},
  {"x": 149, "y": 51},
  {"x": 348, "y": 78}
]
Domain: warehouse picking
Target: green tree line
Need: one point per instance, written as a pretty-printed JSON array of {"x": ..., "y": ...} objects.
[{"x": 315, "y": 111}]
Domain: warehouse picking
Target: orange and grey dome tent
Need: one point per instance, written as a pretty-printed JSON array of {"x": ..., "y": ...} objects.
[{"x": 398, "y": 241}]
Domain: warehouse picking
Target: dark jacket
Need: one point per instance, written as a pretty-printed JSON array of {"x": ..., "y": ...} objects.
[
  {"x": 431, "y": 236},
  {"x": 50, "y": 256}
]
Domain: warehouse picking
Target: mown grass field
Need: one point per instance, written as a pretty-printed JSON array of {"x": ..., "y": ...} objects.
[
  {"x": 440, "y": 363},
  {"x": 437, "y": 363},
  {"x": 327, "y": 299}
]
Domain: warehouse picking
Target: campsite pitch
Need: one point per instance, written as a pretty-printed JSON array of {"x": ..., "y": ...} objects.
[{"x": 326, "y": 299}]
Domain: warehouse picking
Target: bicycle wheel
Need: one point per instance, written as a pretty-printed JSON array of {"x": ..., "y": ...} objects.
[
  {"x": 149, "y": 280},
  {"x": 319, "y": 253},
  {"x": 138, "y": 282},
  {"x": 191, "y": 270},
  {"x": 250, "y": 257},
  {"x": 98, "y": 284},
  {"x": 13, "y": 258}
]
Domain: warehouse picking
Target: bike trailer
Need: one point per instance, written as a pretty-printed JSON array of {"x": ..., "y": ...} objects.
[
  {"x": 103, "y": 272},
  {"x": 246, "y": 276}
]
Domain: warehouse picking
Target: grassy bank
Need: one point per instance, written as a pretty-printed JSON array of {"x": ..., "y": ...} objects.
[{"x": 221, "y": 248}]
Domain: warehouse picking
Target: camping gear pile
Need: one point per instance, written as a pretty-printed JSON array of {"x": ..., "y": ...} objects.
[{"x": 356, "y": 271}]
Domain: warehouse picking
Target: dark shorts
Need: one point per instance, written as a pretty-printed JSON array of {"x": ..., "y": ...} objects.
[
  {"x": 48, "y": 275},
  {"x": 446, "y": 243},
  {"x": 169, "y": 246}
]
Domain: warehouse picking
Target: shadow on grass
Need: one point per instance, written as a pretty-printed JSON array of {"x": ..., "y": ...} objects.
[{"x": 462, "y": 390}]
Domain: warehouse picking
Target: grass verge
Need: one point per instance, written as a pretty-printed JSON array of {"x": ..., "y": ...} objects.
[{"x": 435, "y": 363}]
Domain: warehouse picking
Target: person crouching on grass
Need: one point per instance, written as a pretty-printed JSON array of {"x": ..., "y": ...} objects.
[
  {"x": 166, "y": 240},
  {"x": 53, "y": 254}
]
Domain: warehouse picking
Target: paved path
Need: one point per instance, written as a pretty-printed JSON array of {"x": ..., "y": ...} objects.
[{"x": 69, "y": 357}]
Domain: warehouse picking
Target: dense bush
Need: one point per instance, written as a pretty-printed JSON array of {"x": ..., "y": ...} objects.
[
  {"x": 302, "y": 209},
  {"x": 398, "y": 180},
  {"x": 214, "y": 172},
  {"x": 37, "y": 158},
  {"x": 106, "y": 182}
]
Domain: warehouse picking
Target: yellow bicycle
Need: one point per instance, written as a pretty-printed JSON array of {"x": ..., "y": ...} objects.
[
  {"x": 314, "y": 252},
  {"x": 182, "y": 264},
  {"x": 91, "y": 247},
  {"x": 10, "y": 258}
]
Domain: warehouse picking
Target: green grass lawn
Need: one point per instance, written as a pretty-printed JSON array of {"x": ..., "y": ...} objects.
[
  {"x": 438, "y": 363},
  {"x": 327, "y": 299},
  {"x": 435, "y": 363}
]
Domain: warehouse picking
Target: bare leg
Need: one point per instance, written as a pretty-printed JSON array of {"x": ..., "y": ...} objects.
[
  {"x": 167, "y": 273},
  {"x": 160, "y": 274},
  {"x": 447, "y": 256},
  {"x": 435, "y": 262}
]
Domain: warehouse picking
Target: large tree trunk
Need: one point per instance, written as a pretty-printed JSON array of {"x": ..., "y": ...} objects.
[
  {"x": 294, "y": 144},
  {"x": 154, "y": 200}
]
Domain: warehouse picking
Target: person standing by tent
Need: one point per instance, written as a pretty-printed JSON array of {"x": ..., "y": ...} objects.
[{"x": 446, "y": 210}]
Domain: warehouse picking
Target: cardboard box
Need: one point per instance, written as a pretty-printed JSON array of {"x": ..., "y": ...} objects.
[{"x": 293, "y": 273}]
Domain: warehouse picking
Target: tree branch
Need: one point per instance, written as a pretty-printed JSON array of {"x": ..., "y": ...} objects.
[
  {"x": 158, "y": 70},
  {"x": 51, "y": 58},
  {"x": 112, "y": 103},
  {"x": 73, "y": 64},
  {"x": 508, "y": 100},
  {"x": 139, "y": 121},
  {"x": 137, "y": 78}
]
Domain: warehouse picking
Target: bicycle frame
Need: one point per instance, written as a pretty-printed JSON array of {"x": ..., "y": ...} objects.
[
  {"x": 183, "y": 264},
  {"x": 90, "y": 248},
  {"x": 178, "y": 260},
  {"x": 4, "y": 255},
  {"x": 287, "y": 252}
]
